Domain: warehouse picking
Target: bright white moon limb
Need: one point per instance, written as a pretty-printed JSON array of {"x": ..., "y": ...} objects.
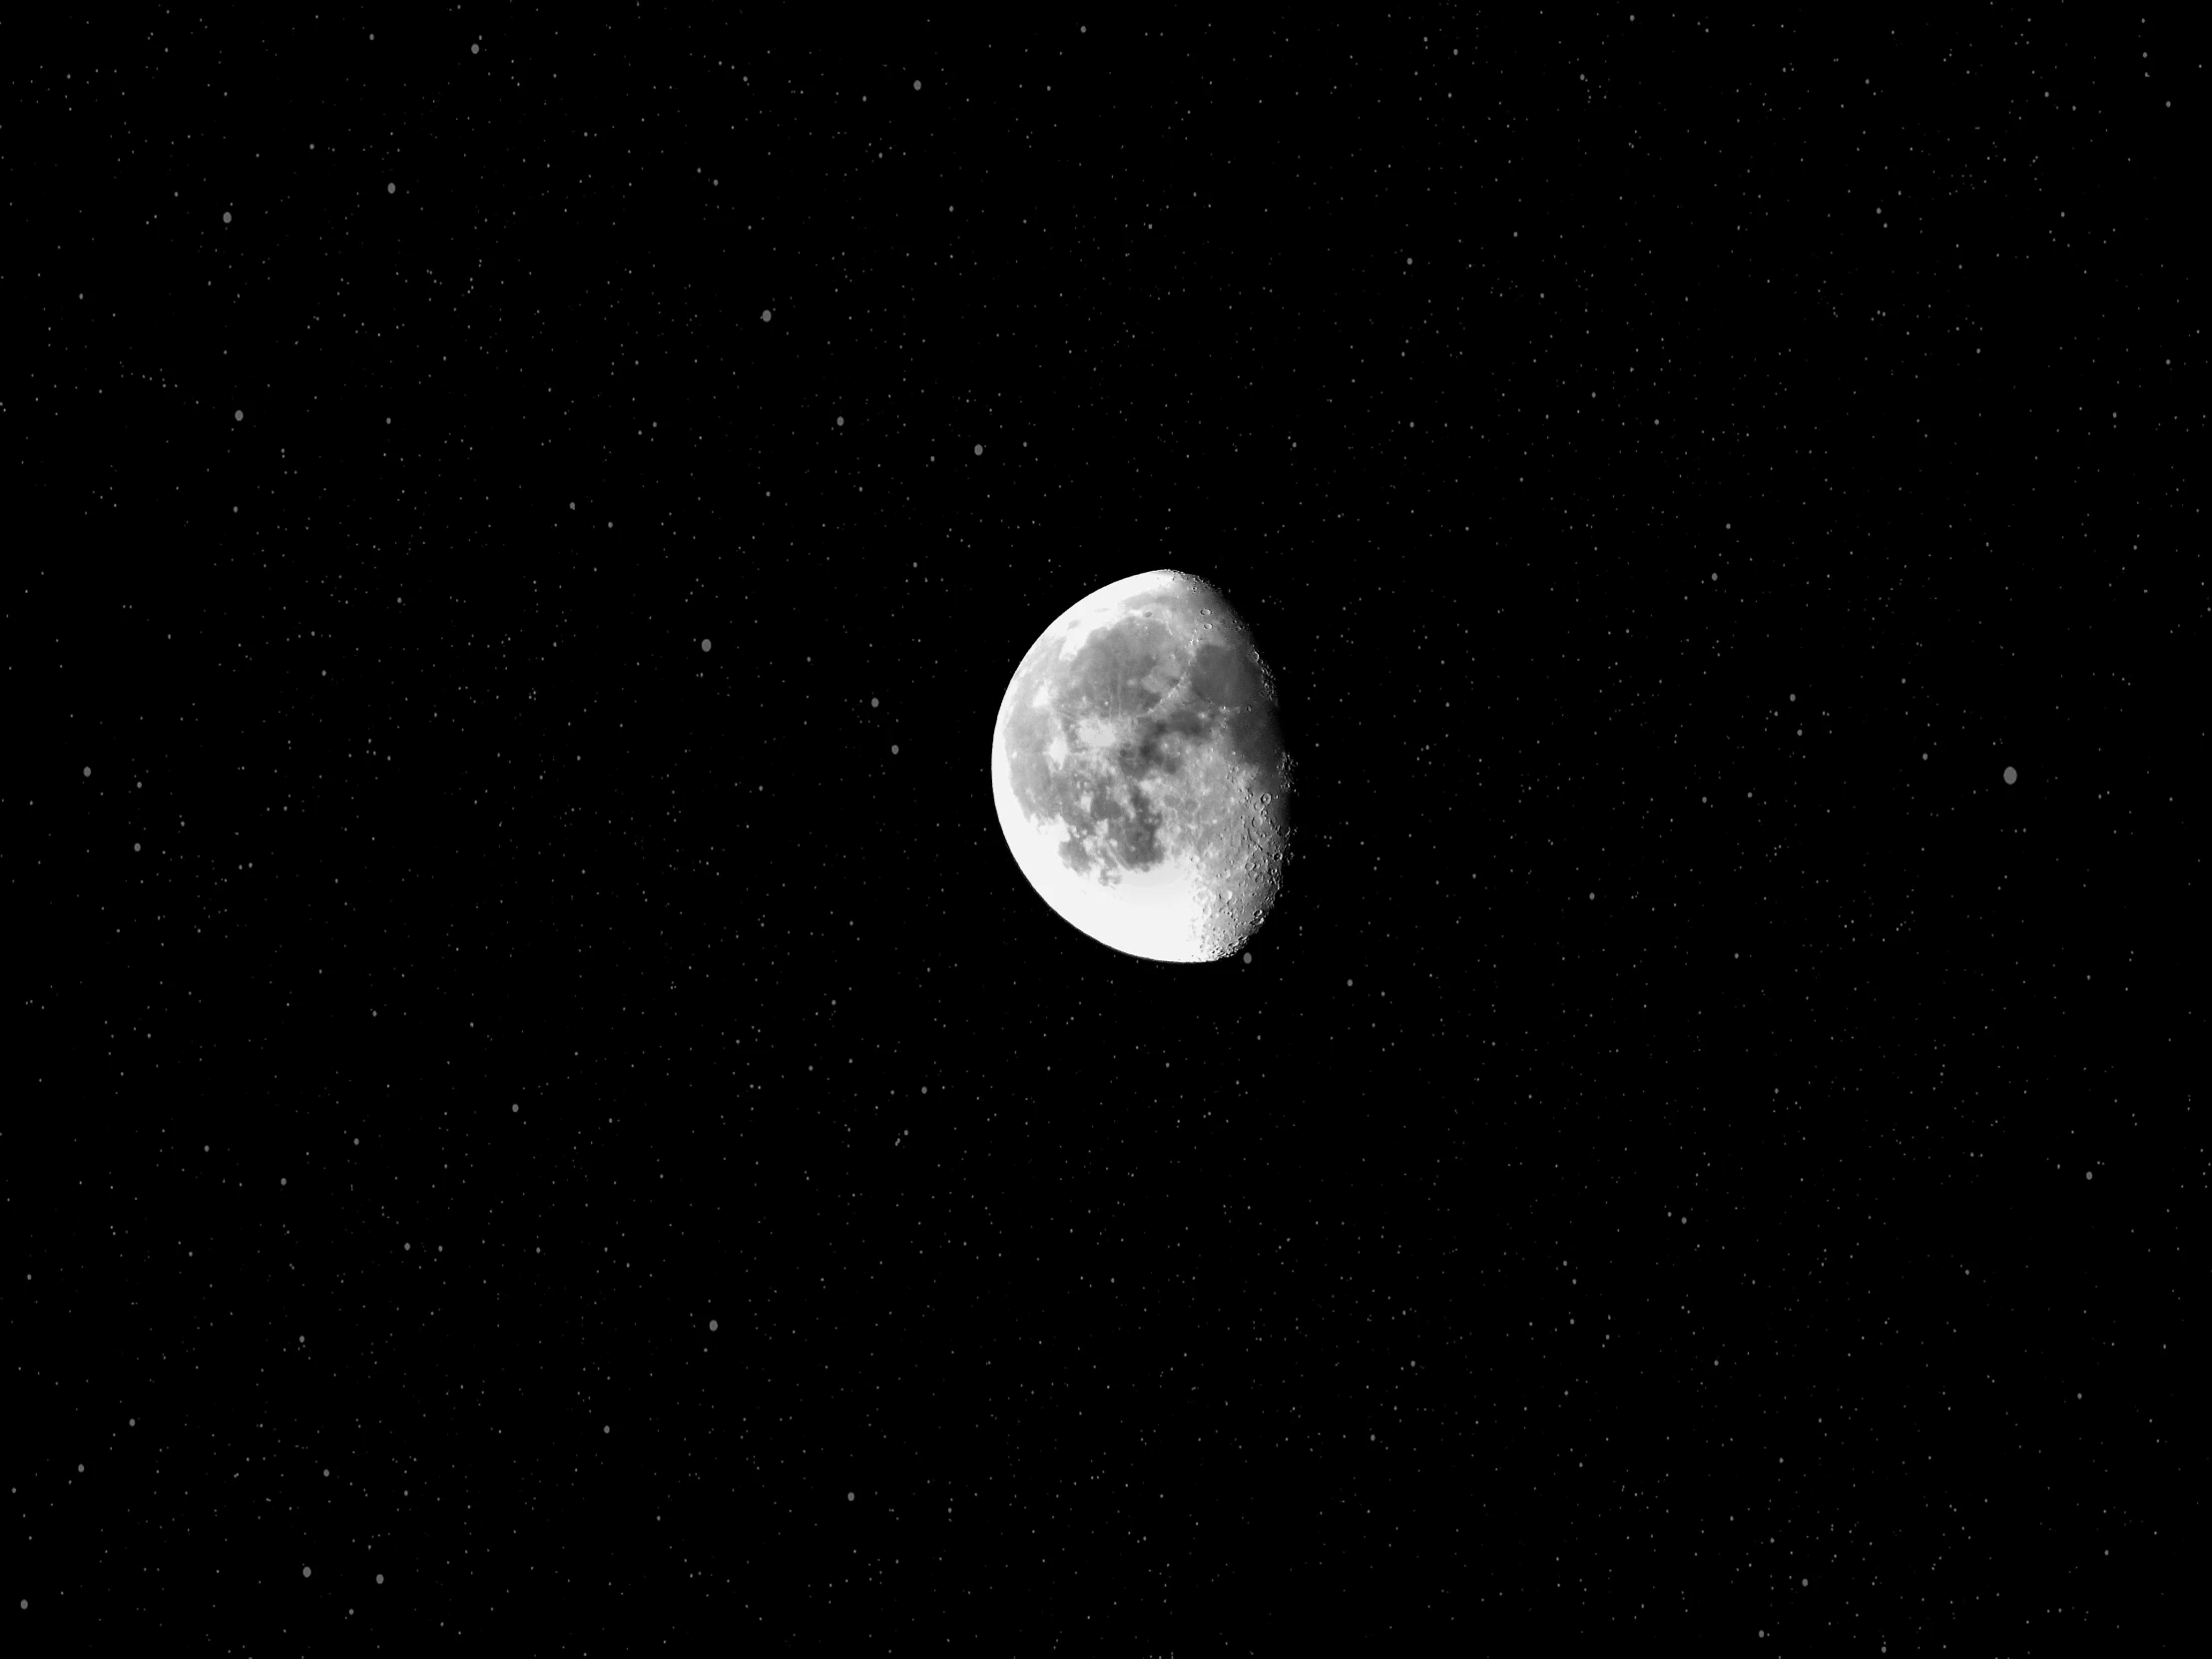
[{"x": 1138, "y": 770}]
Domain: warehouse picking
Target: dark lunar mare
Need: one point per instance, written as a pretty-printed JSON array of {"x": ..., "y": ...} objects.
[{"x": 1135, "y": 706}]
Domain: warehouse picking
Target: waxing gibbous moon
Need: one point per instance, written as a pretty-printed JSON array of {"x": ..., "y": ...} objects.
[{"x": 1138, "y": 770}]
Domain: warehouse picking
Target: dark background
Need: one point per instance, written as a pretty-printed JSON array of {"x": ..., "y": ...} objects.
[{"x": 527, "y": 1133}]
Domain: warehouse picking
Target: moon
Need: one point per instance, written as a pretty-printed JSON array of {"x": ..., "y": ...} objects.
[{"x": 1138, "y": 770}]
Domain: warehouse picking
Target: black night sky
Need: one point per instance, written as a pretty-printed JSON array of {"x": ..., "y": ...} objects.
[{"x": 545, "y": 1117}]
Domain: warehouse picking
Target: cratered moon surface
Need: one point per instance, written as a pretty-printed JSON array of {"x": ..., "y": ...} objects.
[{"x": 1138, "y": 770}]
